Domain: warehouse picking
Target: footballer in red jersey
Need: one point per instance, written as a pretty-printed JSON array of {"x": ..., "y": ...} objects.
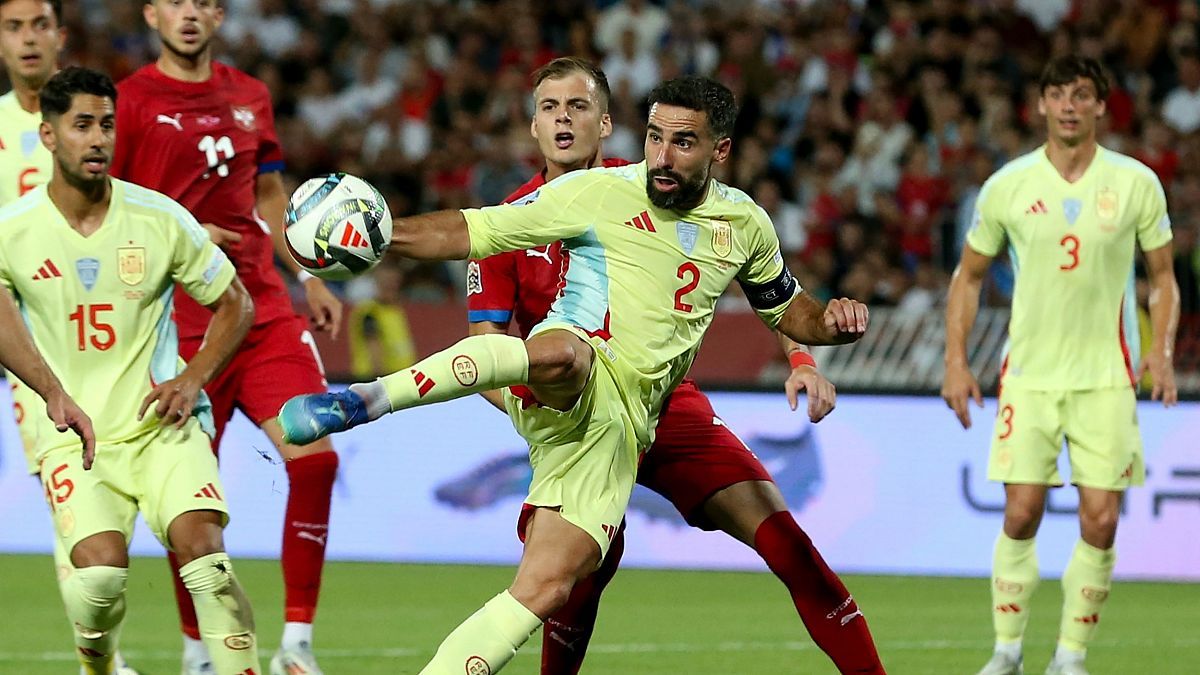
[
  {"x": 696, "y": 462},
  {"x": 203, "y": 133}
]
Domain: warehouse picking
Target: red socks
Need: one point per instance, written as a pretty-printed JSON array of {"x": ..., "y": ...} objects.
[
  {"x": 567, "y": 632},
  {"x": 826, "y": 607},
  {"x": 305, "y": 530}
]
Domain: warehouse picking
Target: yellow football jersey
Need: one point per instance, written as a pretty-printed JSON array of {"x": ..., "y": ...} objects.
[
  {"x": 1074, "y": 318},
  {"x": 645, "y": 280},
  {"x": 24, "y": 162},
  {"x": 99, "y": 307}
]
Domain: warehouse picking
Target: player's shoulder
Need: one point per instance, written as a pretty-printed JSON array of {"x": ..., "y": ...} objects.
[
  {"x": 238, "y": 80},
  {"x": 1126, "y": 165},
  {"x": 530, "y": 185},
  {"x": 138, "y": 81},
  {"x": 16, "y": 211},
  {"x": 156, "y": 208},
  {"x": 1018, "y": 167}
]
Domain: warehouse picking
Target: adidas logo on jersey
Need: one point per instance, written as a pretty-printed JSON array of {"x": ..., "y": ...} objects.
[
  {"x": 1037, "y": 208},
  {"x": 210, "y": 491},
  {"x": 641, "y": 222},
  {"x": 47, "y": 271}
]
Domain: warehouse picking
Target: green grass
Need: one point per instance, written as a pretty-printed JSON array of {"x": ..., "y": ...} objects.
[{"x": 388, "y": 619}]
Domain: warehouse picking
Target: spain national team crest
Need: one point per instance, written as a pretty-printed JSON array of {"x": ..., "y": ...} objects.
[
  {"x": 131, "y": 264},
  {"x": 688, "y": 234},
  {"x": 88, "y": 270},
  {"x": 722, "y": 238},
  {"x": 1106, "y": 204},
  {"x": 243, "y": 116}
]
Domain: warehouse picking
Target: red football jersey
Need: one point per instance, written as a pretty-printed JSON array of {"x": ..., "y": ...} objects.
[
  {"x": 518, "y": 285},
  {"x": 203, "y": 144}
]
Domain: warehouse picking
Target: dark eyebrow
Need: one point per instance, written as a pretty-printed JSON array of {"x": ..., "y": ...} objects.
[{"x": 547, "y": 99}]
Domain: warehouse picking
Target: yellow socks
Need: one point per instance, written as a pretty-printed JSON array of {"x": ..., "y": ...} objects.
[
  {"x": 1086, "y": 584},
  {"x": 1014, "y": 578},
  {"x": 487, "y": 640},
  {"x": 478, "y": 363},
  {"x": 95, "y": 602},
  {"x": 226, "y": 620}
]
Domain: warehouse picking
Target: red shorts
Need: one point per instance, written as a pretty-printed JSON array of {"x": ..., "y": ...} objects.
[
  {"x": 695, "y": 455},
  {"x": 278, "y": 360}
]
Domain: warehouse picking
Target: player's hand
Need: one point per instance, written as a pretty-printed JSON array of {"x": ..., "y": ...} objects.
[
  {"x": 325, "y": 307},
  {"x": 176, "y": 399},
  {"x": 958, "y": 388},
  {"x": 822, "y": 395},
  {"x": 1162, "y": 374},
  {"x": 67, "y": 415},
  {"x": 221, "y": 236},
  {"x": 846, "y": 318}
]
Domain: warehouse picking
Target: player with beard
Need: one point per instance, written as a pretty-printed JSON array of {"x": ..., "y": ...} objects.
[
  {"x": 696, "y": 462},
  {"x": 203, "y": 133},
  {"x": 587, "y": 386}
]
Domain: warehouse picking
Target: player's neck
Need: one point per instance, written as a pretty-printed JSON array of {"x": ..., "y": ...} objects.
[
  {"x": 82, "y": 206},
  {"x": 196, "y": 68},
  {"x": 1071, "y": 161},
  {"x": 553, "y": 170},
  {"x": 27, "y": 94}
]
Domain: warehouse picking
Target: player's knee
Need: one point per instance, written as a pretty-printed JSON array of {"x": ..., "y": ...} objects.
[
  {"x": 1099, "y": 523},
  {"x": 544, "y": 595},
  {"x": 94, "y": 597},
  {"x": 1021, "y": 518},
  {"x": 196, "y": 534},
  {"x": 559, "y": 359}
]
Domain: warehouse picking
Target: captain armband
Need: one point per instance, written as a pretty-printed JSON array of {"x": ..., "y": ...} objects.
[{"x": 771, "y": 294}]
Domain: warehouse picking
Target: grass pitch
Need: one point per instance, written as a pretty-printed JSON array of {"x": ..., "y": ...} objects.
[{"x": 388, "y": 619}]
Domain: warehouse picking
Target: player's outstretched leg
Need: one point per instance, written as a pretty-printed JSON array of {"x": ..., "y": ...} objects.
[
  {"x": 475, "y": 364},
  {"x": 568, "y": 631},
  {"x": 93, "y": 591},
  {"x": 755, "y": 513},
  {"x": 226, "y": 620}
]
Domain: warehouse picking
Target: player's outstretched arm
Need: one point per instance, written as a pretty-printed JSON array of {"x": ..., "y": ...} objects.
[
  {"x": 962, "y": 304},
  {"x": 1164, "y": 320},
  {"x": 441, "y": 235},
  {"x": 20, "y": 356},
  {"x": 809, "y": 322},
  {"x": 270, "y": 200},
  {"x": 822, "y": 395},
  {"x": 233, "y": 314}
]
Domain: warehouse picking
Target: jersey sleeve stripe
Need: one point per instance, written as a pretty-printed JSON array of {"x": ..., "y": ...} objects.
[
  {"x": 493, "y": 315},
  {"x": 270, "y": 167}
]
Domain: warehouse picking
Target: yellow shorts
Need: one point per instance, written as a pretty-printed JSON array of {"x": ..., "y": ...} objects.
[
  {"x": 163, "y": 474},
  {"x": 1099, "y": 427},
  {"x": 584, "y": 459}
]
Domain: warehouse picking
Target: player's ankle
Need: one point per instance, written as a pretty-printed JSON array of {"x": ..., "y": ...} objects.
[
  {"x": 296, "y": 633},
  {"x": 1010, "y": 648},
  {"x": 375, "y": 397}
]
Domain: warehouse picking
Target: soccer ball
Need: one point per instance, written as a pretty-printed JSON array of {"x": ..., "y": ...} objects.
[{"x": 337, "y": 226}]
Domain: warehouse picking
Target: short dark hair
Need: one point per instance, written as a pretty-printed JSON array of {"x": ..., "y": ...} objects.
[
  {"x": 565, "y": 65},
  {"x": 1067, "y": 69},
  {"x": 55, "y": 97},
  {"x": 700, "y": 93},
  {"x": 55, "y": 5}
]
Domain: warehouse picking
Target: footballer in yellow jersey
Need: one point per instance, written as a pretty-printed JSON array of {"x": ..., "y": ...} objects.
[
  {"x": 93, "y": 263},
  {"x": 650, "y": 247},
  {"x": 1071, "y": 214}
]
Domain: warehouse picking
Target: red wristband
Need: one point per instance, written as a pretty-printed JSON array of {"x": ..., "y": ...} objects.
[{"x": 801, "y": 358}]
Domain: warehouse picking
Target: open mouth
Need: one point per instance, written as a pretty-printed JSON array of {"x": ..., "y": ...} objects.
[
  {"x": 564, "y": 140},
  {"x": 190, "y": 34},
  {"x": 31, "y": 59},
  {"x": 666, "y": 183},
  {"x": 95, "y": 164}
]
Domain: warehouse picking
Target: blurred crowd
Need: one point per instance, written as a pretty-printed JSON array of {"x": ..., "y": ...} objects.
[{"x": 866, "y": 126}]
